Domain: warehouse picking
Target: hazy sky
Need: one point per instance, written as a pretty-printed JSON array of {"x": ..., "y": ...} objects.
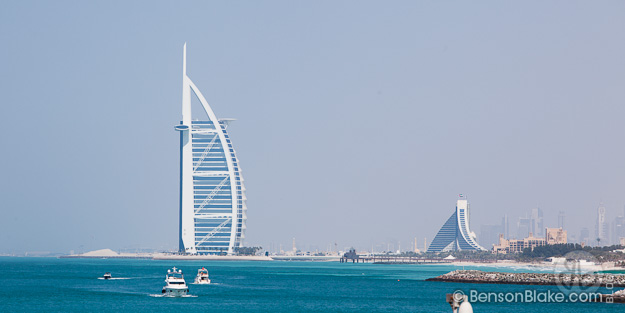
[{"x": 358, "y": 122}]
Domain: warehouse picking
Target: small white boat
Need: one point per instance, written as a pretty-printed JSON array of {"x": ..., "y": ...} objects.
[
  {"x": 176, "y": 286},
  {"x": 202, "y": 277},
  {"x": 107, "y": 275}
]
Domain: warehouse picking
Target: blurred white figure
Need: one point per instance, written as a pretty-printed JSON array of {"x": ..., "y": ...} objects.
[{"x": 459, "y": 302}]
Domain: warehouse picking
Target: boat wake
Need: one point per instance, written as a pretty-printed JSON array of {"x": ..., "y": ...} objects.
[
  {"x": 168, "y": 296},
  {"x": 114, "y": 278}
]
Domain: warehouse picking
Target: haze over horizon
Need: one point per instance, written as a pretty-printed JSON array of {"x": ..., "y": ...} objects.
[{"x": 358, "y": 122}]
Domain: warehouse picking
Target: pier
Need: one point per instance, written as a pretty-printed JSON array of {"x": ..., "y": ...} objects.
[{"x": 390, "y": 259}]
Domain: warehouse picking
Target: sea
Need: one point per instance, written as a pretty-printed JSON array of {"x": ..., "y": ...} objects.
[{"x": 75, "y": 285}]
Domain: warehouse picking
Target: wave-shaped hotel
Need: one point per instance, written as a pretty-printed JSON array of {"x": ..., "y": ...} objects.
[
  {"x": 455, "y": 234},
  {"x": 212, "y": 194}
]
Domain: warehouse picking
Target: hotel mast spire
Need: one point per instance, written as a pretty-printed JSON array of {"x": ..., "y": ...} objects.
[{"x": 186, "y": 90}]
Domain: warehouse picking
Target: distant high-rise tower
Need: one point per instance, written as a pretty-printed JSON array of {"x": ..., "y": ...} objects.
[
  {"x": 455, "y": 233},
  {"x": 212, "y": 195},
  {"x": 505, "y": 226},
  {"x": 601, "y": 227},
  {"x": 523, "y": 227},
  {"x": 489, "y": 235},
  {"x": 561, "y": 216},
  {"x": 618, "y": 229},
  {"x": 584, "y": 236},
  {"x": 536, "y": 223}
]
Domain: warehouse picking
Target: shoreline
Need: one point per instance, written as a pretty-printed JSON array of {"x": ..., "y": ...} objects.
[
  {"x": 213, "y": 257},
  {"x": 172, "y": 257},
  {"x": 541, "y": 266},
  {"x": 502, "y": 264}
]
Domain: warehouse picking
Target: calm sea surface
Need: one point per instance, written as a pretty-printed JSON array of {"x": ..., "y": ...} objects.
[{"x": 72, "y": 285}]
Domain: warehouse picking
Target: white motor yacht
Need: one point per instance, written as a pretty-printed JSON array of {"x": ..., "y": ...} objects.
[
  {"x": 176, "y": 286},
  {"x": 202, "y": 277},
  {"x": 107, "y": 275}
]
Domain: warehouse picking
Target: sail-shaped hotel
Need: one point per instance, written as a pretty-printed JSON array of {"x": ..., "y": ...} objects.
[{"x": 212, "y": 194}]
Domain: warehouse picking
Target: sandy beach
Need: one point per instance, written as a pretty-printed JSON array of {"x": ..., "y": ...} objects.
[{"x": 540, "y": 266}]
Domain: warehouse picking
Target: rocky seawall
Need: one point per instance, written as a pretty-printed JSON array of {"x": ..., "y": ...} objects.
[{"x": 480, "y": 277}]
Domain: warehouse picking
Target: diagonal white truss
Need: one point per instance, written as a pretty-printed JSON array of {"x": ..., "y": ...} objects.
[
  {"x": 205, "y": 153},
  {"x": 188, "y": 171},
  {"x": 214, "y": 231},
  {"x": 210, "y": 196}
]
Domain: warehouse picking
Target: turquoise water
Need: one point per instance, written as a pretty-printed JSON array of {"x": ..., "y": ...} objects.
[{"x": 72, "y": 285}]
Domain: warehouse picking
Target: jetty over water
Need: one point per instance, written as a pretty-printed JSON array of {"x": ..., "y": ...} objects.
[{"x": 390, "y": 259}]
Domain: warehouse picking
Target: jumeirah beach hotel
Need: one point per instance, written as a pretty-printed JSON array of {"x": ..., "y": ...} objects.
[
  {"x": 455, "y": 234},
  {"x": 212, "y": 194}
]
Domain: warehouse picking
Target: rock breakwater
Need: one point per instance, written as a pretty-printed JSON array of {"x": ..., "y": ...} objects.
[{"x": 480, "y": 277}]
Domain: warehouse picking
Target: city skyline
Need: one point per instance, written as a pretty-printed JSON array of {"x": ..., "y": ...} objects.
[
  {"x": 353, "y": 130},
  {"x": 491, "y": 231},
  {"x": 487, "y": 236}
]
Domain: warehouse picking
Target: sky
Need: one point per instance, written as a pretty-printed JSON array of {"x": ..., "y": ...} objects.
[{"x": 358, "y": 122}]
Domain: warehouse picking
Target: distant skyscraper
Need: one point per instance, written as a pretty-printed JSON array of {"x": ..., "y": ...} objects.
[
  {"x": 561, "y": 216},
  {"x": 618, "y": 229},
  {"x": 212, "y": 198},
  {"x": 523, "y": 227},
  {"x": 455, "y": 233},
  {"x": 531, "y": 224},
  {"x": 584, "y": 236},
  {"x": 489, "y": 235},
  {"x": 536, "y": 223},
  {"x": 601, "y": 227},
  {"x": 505, "y": 226}
]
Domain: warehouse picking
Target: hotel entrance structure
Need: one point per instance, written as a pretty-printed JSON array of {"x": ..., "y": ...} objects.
[
  {"x": 455, "y": 233},
  {"x": 212, "y": 194}
]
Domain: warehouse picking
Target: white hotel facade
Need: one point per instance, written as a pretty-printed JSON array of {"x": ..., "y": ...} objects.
[{"x": 212, "y": 193}]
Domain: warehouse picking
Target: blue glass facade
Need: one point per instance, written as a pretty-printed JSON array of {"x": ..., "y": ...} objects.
[
  {"x": 455, "y": 233},
  {"x": 218, "y": 194},
  {"x": 446, "y": 235}
]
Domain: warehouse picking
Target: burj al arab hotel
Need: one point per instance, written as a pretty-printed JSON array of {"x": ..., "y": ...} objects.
[{"x": 212, "y": 194}]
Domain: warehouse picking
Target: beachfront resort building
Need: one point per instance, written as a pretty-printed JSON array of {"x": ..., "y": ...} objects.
[
  {"x": 455, "y": 234},
  {"x": 517, "y": 245},
  {"x": 212, "y": 194},
  {"x": 553, "y": 236}
]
